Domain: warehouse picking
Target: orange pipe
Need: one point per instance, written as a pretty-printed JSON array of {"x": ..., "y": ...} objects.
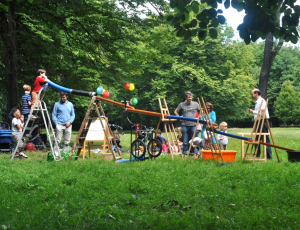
[
  {"x": 276, "y": 146},
  {"x": 132, "y": 109},
  {"x": 113, "y": 102}
]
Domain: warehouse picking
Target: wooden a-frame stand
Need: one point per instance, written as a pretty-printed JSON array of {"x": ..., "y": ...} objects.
[
  {"x": 208, "y": 129},
  {"x": 171, "y": 135},
  {"x": 81, "y": 136},
  {"x": 257, "y": 132}
]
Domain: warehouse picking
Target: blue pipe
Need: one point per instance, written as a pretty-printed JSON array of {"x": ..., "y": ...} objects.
[
  {"x": 71, "y": 91},
  {"x": 204, "y": 122},
  {"x": 61, "y": 88}
]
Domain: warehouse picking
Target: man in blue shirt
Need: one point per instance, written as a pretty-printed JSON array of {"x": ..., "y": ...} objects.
[{"x": 63, "y": 116}]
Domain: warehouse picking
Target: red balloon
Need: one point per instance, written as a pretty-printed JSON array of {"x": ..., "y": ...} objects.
[
  {"x": 127, "y": 85},
  {"x": 106, "y": 94}
]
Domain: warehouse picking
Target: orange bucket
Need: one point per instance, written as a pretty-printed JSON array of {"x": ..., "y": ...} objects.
[{"x": 228, "y": 155}]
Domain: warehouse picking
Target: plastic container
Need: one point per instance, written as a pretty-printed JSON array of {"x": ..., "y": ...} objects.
[
  {"x": 5, "y": 136},
  {"x": 50, "y": 157},
  {"x": 107, "y": 156},
  {"x": 293, "y": 156},
  {"x": 228, "y": 155}
]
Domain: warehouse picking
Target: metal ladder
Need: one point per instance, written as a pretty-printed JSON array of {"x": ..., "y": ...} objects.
[{"x": 41, "y": 107}]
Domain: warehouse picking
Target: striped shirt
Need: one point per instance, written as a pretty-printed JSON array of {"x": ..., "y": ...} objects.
[{"x": 25, "y": 99}]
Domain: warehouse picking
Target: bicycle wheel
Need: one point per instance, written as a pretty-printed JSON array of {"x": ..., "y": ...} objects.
[
  {"x": 138, "y": 149},
  {"x": 39, "y": 144},
  {"x": 154, "y": 148}
]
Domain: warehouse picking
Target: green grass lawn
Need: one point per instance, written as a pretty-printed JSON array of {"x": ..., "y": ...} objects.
[{"x": 154, "y": 194}]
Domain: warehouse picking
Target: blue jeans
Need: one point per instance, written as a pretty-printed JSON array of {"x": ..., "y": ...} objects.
[{"x": 187, "y": 134}]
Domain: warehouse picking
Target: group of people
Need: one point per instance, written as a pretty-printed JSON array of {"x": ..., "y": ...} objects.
[
  {"x": 190, "y": 109},
  {"x": 63, "y": 114}
]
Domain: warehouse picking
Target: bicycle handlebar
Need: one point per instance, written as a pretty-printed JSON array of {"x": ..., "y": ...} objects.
[{"x": 116, "y": 126}]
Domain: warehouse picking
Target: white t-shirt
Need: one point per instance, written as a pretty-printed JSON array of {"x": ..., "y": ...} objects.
[
  {"x": 259, "y": 101},
  {"x": 224, "y": 141},
  {"x": 14, "y": 123}
]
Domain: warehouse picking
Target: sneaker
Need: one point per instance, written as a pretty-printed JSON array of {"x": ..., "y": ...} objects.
[
  {"x": 23, "y": 154},
  {"x": 34, "y": 117}
]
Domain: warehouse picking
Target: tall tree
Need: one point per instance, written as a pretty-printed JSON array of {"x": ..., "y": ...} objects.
[
  {"x": 287, "y": 104},
  {"x": 262, "y": 20},
  {"x": 80, "y": 43}
]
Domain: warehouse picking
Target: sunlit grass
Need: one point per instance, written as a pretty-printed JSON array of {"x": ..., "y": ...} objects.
[{"x": 154, "y": 194}]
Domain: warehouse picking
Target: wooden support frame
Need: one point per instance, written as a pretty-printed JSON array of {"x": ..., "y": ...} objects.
[
  {"x": 93, "y": 108},
  {"x": 210, "y": 128},
  {"x": 169, "y": 129},
  {"x": 257, "y": 132}
]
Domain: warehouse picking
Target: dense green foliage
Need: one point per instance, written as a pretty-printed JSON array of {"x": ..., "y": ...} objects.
[
  {"x": 287, "y": 104},
  {"x": 85, "y": 44}
]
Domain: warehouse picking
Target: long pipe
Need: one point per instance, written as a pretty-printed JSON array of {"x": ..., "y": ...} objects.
[
  {"x": 132, "y": 109},
  {"x": 204, "y": 122},
  {"x": 71, "y": 91}
]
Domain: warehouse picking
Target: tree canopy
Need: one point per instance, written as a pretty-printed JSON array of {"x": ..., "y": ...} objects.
[
  {"x": 85, "y": 44},
  {"x": 261, "y": 18}
]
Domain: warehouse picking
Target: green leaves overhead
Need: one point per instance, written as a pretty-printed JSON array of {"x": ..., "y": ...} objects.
[
  {"x": 195, "y": 7},
  {"x": 191, "y": 18},
  {"x": 262, "y": 17},
  {"x": 4, "y": 7},
  {"x": 213, "y": 33}
]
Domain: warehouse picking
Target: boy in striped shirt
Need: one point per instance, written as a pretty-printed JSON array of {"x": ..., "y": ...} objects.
[{"x": 26, "y": 102}]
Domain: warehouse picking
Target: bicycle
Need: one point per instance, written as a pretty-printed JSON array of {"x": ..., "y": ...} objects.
[{"x": 138, "y": 146}]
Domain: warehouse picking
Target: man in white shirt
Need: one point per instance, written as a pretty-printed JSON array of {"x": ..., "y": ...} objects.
[{"x": 260, "y": 101}]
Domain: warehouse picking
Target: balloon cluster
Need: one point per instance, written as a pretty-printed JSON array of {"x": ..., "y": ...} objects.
[
  {"x": 130, "y": 86},
  {"x": 102, "y": 92}
]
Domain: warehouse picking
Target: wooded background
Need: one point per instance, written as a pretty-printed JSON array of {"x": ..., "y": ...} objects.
[{"x": 84, "y": 44}]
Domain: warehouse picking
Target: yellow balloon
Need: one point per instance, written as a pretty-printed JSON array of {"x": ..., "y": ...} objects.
[{"x": 131, "y": 87}]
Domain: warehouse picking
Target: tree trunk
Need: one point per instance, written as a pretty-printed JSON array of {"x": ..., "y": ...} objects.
[
  {"x": 9, "y": 25},
  {"x": 269, "y": 56}
]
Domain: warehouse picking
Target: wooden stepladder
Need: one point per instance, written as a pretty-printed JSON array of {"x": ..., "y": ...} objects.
[
  {"x": 209, "y": 129},
  {"x": 256, "y": 135},
  {"x": 171, "y": 135},
  {"x": 94, "y": 107}
]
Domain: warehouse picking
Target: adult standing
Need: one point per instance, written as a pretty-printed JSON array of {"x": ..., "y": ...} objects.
[
  {"x": 211, "y": 115},
  {"x": 261, "y": 104},
  {"x": 188, "y": 108},
  {"x": 63, "y": 116}
]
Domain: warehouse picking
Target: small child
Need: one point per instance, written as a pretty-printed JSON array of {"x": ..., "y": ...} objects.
[
  {"x": 117, "y": 139},
  {"x": 165, "y": 146},
  {"x": 223, "y": 140},
  {"x": 40, "y": 80},
  {"x": 160, "y": 137},
  {"x": 16, "y": 133},
  {"x": 26, "y": 102},
  {"x": 209, "y": 136},
  {"x": 179, "y": 136},
  {"x": 196, "y": 147}
]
